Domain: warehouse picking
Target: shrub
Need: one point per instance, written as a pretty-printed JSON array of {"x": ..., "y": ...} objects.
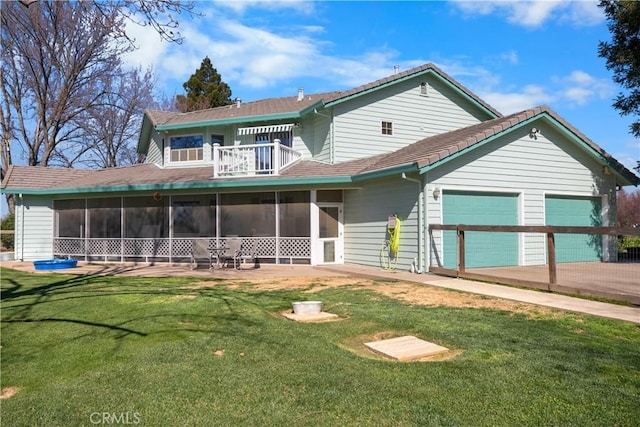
[
  {"x": 7, "y": 224},
  {"x": 628, "y": 242}
]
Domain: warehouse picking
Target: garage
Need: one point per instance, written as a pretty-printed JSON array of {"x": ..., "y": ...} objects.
[
  {"x": 483, "y": 249},
  {"x": 575, "y": 211}
]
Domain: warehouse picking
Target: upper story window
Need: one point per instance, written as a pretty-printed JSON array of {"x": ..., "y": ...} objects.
[
  {"x": 387, "y": 128},
  {"x": 186, "y": 148}
]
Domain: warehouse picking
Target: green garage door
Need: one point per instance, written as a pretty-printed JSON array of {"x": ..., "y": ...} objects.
[
  {"x": 575, "y": 211},
  {"x": 483, "y": 249}
]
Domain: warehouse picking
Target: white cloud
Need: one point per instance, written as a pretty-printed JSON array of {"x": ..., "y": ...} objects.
[
  {"x": 240, "y": 6},
  {"x": 533, "y": 14},
  {"x": 511, "y": 102},
  {"x": 579, "y": 87},
  {"x": 152, "y": 48}
]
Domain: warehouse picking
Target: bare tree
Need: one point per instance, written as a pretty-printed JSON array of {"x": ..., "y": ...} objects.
[
  {"x": 60, "y": 61},
  {"x": 628, "y": 208},
  {"x": 56, "y": 58},
  {"x": 110, "y": 129},
  {"x": 160, "y": 15}
]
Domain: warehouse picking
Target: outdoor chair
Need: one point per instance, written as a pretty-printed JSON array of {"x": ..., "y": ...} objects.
[
  {"x": 233, "y": 251},
  {"x": 199, "y": 251},
  {"x": 239, "y": 253},
  {"x": 248, "y": 252}
]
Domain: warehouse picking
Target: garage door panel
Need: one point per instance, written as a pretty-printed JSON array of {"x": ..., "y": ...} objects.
[
  {"x": 483, "y": 249},
  {"x": 575, "y": 211}
]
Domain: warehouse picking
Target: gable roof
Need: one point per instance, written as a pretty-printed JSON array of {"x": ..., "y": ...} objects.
[
  {"x": 420, "y": 156},
  {"x": 289, "y": 108},
  {"x": 433, "y": 151}
]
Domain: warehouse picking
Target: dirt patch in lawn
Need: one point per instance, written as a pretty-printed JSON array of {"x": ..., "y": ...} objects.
[
  {"x": 408, "y": 292},
  {"x": 8, "y": 392}
]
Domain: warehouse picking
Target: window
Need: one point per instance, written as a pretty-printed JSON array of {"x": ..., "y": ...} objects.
[
  {"x": 186, "y": 148},
  {"x": 387, "y": 128}
]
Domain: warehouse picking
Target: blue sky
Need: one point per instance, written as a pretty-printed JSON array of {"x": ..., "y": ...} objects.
[{"x": 513, "y": 54}]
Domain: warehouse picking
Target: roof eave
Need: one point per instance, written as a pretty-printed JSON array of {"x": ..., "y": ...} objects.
[
  {"x": 211, "y": 184},
  {"x": 238, "y": 120},
  {"x": 385, "y": 172}
]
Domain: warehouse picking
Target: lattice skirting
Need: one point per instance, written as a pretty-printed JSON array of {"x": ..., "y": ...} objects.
[{"x": 265, "y": 247}]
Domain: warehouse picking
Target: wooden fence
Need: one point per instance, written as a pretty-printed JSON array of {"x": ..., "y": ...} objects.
[{"x": 551, "y": 284}]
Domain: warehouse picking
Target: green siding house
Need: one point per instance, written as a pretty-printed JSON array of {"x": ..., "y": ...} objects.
[{"x": 314, "y": 178}]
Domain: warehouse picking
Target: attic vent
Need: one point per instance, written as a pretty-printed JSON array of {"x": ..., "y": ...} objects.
[
  {"x": 424, "y": 89},
  {"x": 238, "y": 102},
  {"x": 396, "y": 69},
  {"x": 300, "y": 94}
]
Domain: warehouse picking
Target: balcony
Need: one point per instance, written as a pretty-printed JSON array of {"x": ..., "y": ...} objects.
[{"x": 252, "y": 160}]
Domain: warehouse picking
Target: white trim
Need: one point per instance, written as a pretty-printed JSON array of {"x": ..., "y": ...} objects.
[{"x": 265, "y": 129}]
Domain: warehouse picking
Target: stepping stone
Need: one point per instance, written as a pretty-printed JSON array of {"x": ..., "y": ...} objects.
[{"x": 405, "y": 348}]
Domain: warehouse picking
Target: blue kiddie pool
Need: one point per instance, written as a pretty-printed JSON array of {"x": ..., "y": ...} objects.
[{"x": 55, "y": 264}]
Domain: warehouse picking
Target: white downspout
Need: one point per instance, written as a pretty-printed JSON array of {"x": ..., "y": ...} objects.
[
  {"x": 420, "y": 221},
  {"x": 21, "y": 227}
]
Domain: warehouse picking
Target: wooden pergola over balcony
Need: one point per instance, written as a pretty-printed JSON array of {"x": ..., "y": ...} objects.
[{"x": 252, "y": 160}]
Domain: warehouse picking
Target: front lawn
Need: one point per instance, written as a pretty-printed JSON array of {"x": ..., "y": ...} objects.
[{"x": 174, "y": 352}]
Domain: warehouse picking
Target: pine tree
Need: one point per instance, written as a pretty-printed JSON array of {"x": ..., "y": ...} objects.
[
  {"x": 204, "y": 89},
  {"x": 623, "y": 55}
]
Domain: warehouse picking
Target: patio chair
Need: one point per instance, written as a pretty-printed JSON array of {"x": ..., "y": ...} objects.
[
  {"x": 248, "y": 252},
  {"x": 240, "y": 252},
  {"x": 200, "y": 250},
  {"x": 233, "y": 251}
]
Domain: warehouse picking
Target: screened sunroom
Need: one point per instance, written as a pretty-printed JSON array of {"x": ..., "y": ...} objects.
[{"x": 164, "y": 227}]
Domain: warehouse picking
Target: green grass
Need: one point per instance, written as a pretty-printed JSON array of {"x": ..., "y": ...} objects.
[{"x": 146, "y": 349}]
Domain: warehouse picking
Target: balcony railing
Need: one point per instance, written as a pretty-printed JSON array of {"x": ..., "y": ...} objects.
[{"x": 251, "y": 160}]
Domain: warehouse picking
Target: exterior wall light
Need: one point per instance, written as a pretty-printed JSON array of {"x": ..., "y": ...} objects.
[
  {"x": 436, "y": 192},
  {"x": 533, "y": 133}
]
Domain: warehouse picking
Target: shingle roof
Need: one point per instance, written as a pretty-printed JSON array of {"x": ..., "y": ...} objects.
[
  {"x": 423, "y": 153},
  {"x": 291, "y": 104},
  {"x": 431, "y": 150}
]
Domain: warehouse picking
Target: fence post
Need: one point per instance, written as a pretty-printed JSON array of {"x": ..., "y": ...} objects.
[
  {"x": 551, "y": 253},
  {"x": 460, "y": 251}
]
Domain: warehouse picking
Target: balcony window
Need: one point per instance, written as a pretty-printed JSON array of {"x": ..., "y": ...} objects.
[{"x": 187, "y": 148}]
